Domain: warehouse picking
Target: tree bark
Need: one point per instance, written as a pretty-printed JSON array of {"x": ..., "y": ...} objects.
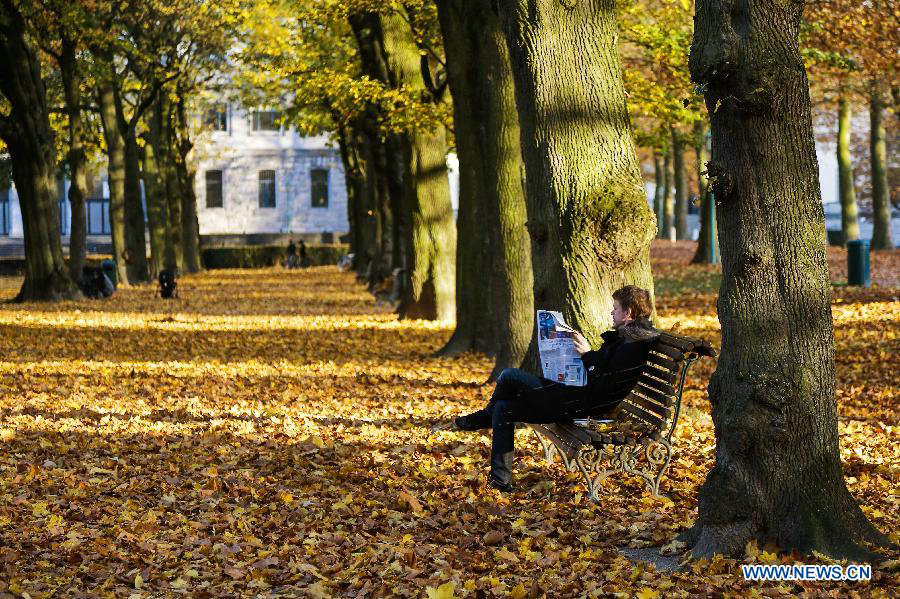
[
  {"x": 668, "y": 230},
  {"x": 115, "y": 153},
  {"x": 881, "y": 200},
  {"x": 167, "y": 157},
  {"x": 430, "y": 236},
  {"x": 681, "y": 191},
  {"x": 135, "y": 229},
  {"x": 777, "y": 474},
  {"x": 849, "y": 212},
  {"x": 493, "y": 239},
  {"x": 190, "y": 225},
  {"x": 68, "y": 68},
  {"x": 27, "y": 133},
  {"x": 157, "y": 208},
  {"x": 702, "y": 156},
  {"x": 588, "y": 217}
]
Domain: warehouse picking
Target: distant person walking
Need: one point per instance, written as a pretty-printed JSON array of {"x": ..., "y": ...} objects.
[{"x": 302, "y": 254}]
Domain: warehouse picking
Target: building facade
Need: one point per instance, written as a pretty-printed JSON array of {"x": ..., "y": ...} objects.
[{"x": 255, "y": 182}]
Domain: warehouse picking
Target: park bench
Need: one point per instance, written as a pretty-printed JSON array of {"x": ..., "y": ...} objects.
[{"x": 636, "y": 437}]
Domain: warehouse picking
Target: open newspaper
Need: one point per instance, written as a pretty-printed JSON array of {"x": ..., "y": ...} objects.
[{"x": 559, "y": 360}]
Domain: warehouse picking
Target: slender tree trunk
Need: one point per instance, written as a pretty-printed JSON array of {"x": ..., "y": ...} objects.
[
  {"x": 668, "y": 230},
  {"x": 160, "y": 219},
  {"x": 27, "y": 133},
  {"x": 167, "y": 156},
  {"x": 849, "y": 212},
  {"x": 430, "y": 236},
  {"x": 702, "y": 155},
  {"x": 68, "y": 68},
  {"x": 777, "y": 474},
  {"x": 681, "y": 191},
  {"x": 659, "y": 193},
  {"x": 157, "y": 208},
  {"x": 881, "y": 200},
  {"x": 135, "y": 229},
  {"x": 186, "y": 173},
  {"x": 588, "y": 217},
  {"x": 115, "y": 152}
]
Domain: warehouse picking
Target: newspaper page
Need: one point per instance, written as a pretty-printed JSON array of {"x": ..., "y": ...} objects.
[{"x": 559, "y": 360}]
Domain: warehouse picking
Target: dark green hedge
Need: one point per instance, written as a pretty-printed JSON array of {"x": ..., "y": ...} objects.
[{"x": 259, "y": 256}]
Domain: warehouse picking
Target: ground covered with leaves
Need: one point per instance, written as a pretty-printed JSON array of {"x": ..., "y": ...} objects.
[{"x": 266, "y": 435}]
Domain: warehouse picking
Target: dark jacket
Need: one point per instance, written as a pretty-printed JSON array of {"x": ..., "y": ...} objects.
[{"x": 623, "y": 349}]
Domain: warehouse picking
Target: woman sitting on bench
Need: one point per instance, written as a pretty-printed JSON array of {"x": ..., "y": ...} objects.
[{"x": 522, "y": 397}]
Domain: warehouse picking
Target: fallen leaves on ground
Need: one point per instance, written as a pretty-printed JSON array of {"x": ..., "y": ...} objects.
[{"x": 267, "y": 435}]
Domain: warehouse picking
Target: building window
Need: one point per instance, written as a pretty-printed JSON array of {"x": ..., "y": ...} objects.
[
  {"x": 4, "y": 211},
  {"x": 98, "y": 216},
  {"x": 319, "y": 187},
  {"x": 266, "y": 189},
  {"x": 213, "y": 189},
  {"x": 216, "y": 117},
  {"x": 265, "y": 120}
]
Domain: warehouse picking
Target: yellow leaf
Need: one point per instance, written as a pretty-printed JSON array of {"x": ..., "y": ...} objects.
[
  {"x": 39, "y": 508},
  {"x": 518, "y": 592},
  {"x": 7, "y": 434},
  {"x": 751, "y": 551},
  {"x": 647, "y": 593},
  {"x": 445, "y": 591},
  {"x": 768, "y": 558},
  {"x": 138, "y": 581}
]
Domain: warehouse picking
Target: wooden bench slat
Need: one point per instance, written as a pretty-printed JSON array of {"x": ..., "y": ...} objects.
[
  {"x": 658, "y": 372},
  {"x": 660, "y": 386},
  {"x": 668, "y": 350},
  {"x": 663, "y": 361},
  {"x": 639, "y": 413},
  {"x": 683, "y": 343},
  {"x": 662, "y": 398},
  {"x": 651, "y": 406}
]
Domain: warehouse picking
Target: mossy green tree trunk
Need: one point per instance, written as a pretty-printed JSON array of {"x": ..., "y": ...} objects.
[
  {"x": 76, "y": 157},
  {"x": 846, "y": 189},
  {"x": 681, "y": 190},
  {"x": 777, "y": 473},
  {"x": 27, "y": 133},
  {"x": 430, "y": 233},
  {"x": 495, "y": 315},
  {"x": 881, "y": 200},
  {"x": 588, "y": 217},
  {"x": 115, "y": 153}
]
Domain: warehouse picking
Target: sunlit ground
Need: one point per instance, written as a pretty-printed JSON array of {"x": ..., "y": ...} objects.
[{"x": 266, "y": 435}]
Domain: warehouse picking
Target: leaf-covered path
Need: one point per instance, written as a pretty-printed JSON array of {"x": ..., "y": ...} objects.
[{"x": 266, "y": 435}]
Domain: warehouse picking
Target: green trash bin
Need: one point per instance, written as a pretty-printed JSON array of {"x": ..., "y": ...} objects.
[{"x": 858, "y": 263}]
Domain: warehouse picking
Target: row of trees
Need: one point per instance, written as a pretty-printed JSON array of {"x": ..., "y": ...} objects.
[
  {"x": 531, "y": 93},
  {"x": 115, "y": 76}
]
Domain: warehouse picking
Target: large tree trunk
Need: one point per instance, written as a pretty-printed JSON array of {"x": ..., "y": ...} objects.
[
  {"x": 430, "y": 236},
  {"x": 777, "y": 474},
  {"x": 167, "y": 156},
  {"x": 115, "y": 153},
  {"x": 491, "y": 221},
  {"x": 701, "y": 153},
  {"x": 68, "y": 68},
  {"x": 681, "y": 191},
  {"x": 588, "y": 217},
  {"x": 668, "y": 230},
  {"x": 846, "y": 190},
  {"x": 27, "y": 133},
  {"x": 190, "y": 224},
  {"x": 881, "y": 200}
]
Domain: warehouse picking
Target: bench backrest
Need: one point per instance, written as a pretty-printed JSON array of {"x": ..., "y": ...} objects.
[{"x": 653, "y": 397}]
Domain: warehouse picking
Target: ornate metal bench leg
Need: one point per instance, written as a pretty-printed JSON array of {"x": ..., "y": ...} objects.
[
  {"x": 659, "y": 455},
  {"x": 549, "y": 448},
  {"x": 586, "y": 459}
]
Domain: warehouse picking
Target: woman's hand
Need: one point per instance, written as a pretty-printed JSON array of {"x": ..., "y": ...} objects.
[{"x": 581, "y": 344}]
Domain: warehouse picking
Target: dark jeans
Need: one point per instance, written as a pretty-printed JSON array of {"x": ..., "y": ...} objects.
[{"x": 501, "y": 413}]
